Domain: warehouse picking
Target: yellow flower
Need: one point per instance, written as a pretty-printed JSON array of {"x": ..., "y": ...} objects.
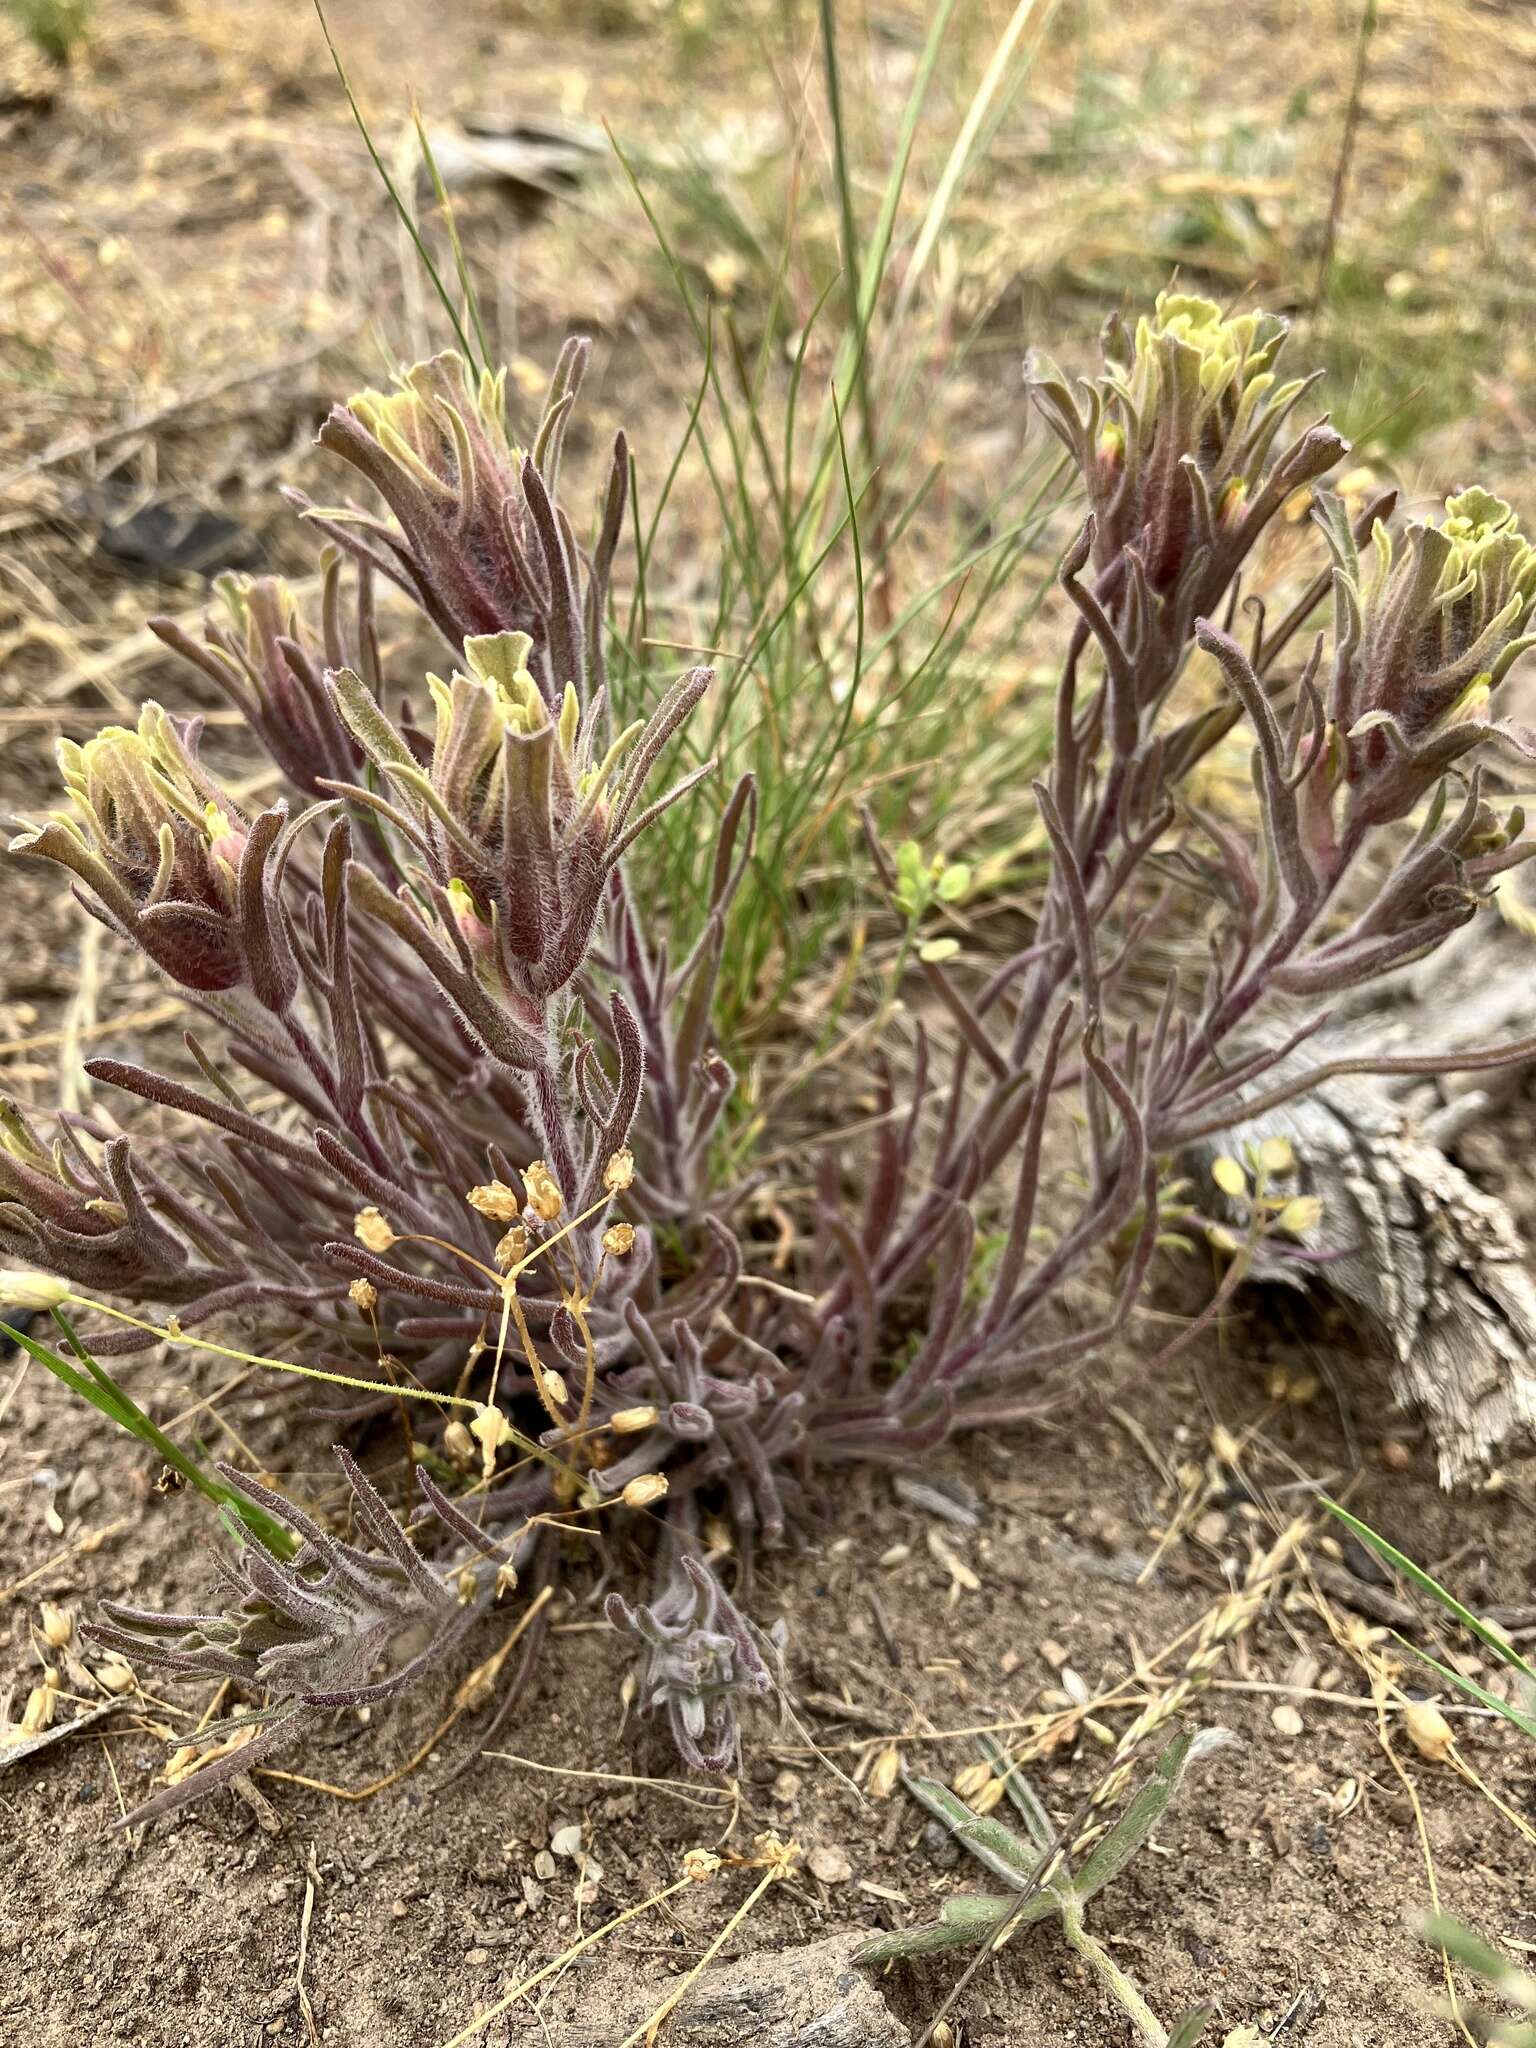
[
  {"x": 1277, "y": 1156},
  {"x": 619, "y": 1173},
  {"x": 1302, "y": 1214},
  {"x": 619, "y": 1238},
  {"x": 1229, "y": 1176}
]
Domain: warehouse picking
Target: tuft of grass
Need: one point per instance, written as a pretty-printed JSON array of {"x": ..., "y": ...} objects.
[
  {"x": 866, "y": 617},
  {"x": 1041, "y": 1883},
  {"x": 844, "y": 654}
]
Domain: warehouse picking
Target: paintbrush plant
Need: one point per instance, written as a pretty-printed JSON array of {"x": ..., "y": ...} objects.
[{"x": 481, "y": 1155}]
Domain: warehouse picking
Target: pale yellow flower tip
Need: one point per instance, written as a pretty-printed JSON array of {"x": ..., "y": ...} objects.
[
  {"x": 33, "y": 1290},
  {"x": 1301, "y": 1214},
  {"x": 630, "y": 1421},
  {"x": 1276, "y": 1155},
  {"x": 1229, "y": 1176}
]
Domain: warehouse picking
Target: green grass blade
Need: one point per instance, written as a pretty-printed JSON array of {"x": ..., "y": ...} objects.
[
  {"x": 953, "y": 174},
  {"x": 1131, "y": 1830},
  {"x": 1506, "y": 1979},
  {"x": 1416, "y": 1575},
  {"x": 852, "y": 278},
  {"x": 1191, "y": 2029},
  {"x": 407, "y": 220},
  {"x": 966, "y": 1922},
  {"x": 461, "y": 264},
  {"x": 995, "y": 1847},
  {"x": 1524, "y": 1722},
  {"x": 96, "y": 1385},
  {"x": 1037, "y": 1822}
]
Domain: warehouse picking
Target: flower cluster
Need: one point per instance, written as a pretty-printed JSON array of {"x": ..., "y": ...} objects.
[{"x": 160, "y": 849}]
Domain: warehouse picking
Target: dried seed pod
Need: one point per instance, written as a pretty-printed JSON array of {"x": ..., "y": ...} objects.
[
  {"x": 884, "y": 1772},
  {"x": 495, "y": 1200},
  {"x": 1428, "y": 1730},
  {"x": 645, "y": 1491},
  {"x": 370, "y": 1229},
  {"x": 544, "y": 1196},
  {"x": 56, "y": 1625},
  {"x": 631, "y": 1421}
]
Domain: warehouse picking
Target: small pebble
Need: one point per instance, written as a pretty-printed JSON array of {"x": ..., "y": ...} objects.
[
  {"x": 831, "y": 1866},
  {"x": 939, "y": 1845}
]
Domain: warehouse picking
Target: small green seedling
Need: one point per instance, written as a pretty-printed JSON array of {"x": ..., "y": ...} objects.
[
  {"x": 921, "y": 884},
  {"x": 1043, "y": 1885}
]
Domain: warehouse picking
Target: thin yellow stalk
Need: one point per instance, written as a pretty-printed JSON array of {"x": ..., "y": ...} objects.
[
  {"x": 568, "y": 1955},
  {"x": 959, "y": 155},
  {"x": 308, "y": 1372},
  {"x": 778, "y": 1866}
]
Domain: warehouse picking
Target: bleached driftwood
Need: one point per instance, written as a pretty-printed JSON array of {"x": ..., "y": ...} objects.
[{"x": 1432, "y": 1265}]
